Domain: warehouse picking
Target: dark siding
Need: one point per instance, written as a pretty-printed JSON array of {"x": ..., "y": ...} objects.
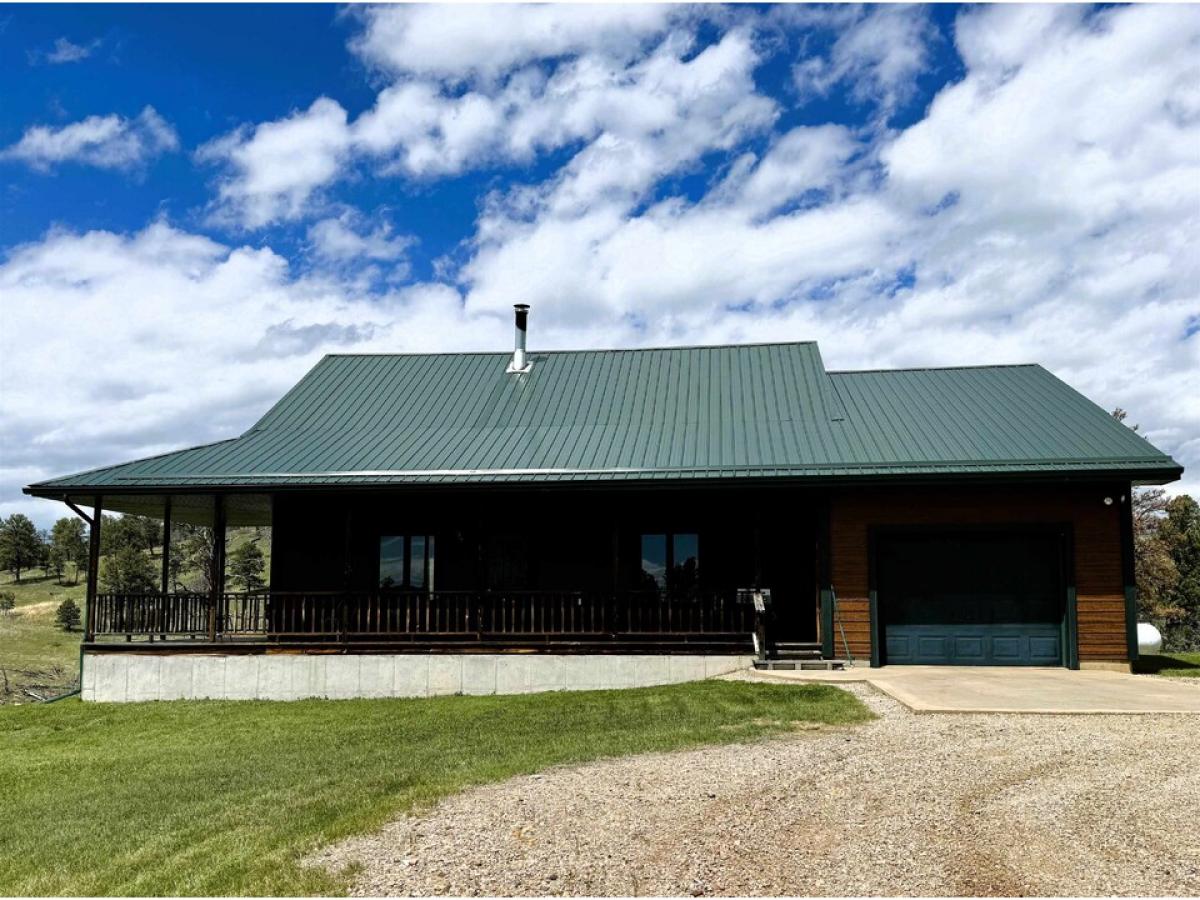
[{"x": 552, "y": 540}]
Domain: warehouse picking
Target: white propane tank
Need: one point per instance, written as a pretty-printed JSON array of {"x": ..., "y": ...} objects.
[{"x": 1149, "y": 639}]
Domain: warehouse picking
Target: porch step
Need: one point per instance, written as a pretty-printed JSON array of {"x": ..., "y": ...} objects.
[
  {"x": 797, "y": 665},
  {"x": 797, "y": 650}
]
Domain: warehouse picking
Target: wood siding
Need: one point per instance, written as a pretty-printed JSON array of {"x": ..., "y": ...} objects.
[{"x": 1097, "y": 548}]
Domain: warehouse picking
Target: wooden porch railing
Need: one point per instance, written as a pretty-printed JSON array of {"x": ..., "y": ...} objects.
[{"x": 424, "y": 616}]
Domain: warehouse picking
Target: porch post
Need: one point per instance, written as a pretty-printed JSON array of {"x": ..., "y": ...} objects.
[
  {"x": 93, "y": 571},
  {"x": 166, "y": 547},
  {"x": 217, "y": 579}
]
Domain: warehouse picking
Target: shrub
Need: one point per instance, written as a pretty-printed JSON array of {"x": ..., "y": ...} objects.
[{"x": 68, "y": 616}]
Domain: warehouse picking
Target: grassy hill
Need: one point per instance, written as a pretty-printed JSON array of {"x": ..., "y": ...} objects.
[{"x": 37, "y": 658}]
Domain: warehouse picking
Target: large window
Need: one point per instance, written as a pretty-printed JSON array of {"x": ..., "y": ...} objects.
[
  {"x": 406, "y": 561},
  {"x": 670, "y": 561}
]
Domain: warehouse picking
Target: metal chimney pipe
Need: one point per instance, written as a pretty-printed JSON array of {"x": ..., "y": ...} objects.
[{"x": 520, "y": 362}]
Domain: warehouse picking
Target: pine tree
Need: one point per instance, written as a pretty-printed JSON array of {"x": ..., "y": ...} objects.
[
  {"x": 246, "y": 566},
  {"x": 127, "y": 571},
  {"x": 68, "y": 616},
  {"x": 68, "y": 539},
  {"x": 20, "y": 544}
]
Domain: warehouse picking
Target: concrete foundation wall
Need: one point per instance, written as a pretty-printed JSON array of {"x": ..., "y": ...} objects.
[{"x": 129, "y": 677}]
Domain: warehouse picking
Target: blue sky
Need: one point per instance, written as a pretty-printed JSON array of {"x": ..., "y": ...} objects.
[
  {"x": 197, "y": 202},
  {"x": 209, "y": 69}
]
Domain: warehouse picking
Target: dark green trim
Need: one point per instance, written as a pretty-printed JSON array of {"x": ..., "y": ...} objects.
[
  {"x": 1065, "y": 531},
  {"x": 1071, "y": 611},
  {"x": 1129, "y": 573},
  {"x": 875, "y": 629}
]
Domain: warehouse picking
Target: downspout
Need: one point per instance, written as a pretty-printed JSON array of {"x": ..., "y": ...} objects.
[{"x": 78, "y": 690}]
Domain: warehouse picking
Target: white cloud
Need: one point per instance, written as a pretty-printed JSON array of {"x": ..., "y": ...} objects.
[
  {"x": 66, "y": 51},
  {"x": 416, "y": 128},
  {"x": 805, "y": 160},
  {"x": 637, "y": 121},
  {"x": 276, "y": 167},
  {"x": 348, "y": 240},
  {"x": 106, "y": 142},
  {"x": 424, "y": 127},
  {"x": 480, "y": 40},
  {"x": 879, "y": 52}
]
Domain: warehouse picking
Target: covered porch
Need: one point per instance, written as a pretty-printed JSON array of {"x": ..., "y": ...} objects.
[{"x": 564, "y": 570}]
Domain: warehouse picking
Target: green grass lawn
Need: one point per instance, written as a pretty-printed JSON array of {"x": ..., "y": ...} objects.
[
  {"x": 1173, "y": 665},
  {"x": 225, "y": 798}
]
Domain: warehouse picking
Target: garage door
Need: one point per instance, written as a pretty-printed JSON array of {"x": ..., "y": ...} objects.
[{"x": 985, "y": 599}]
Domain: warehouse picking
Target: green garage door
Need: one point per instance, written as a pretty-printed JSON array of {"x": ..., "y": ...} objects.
[{"x": 971, "y": 598}]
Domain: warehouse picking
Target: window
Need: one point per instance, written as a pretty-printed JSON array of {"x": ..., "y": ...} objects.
[
  {"x": 406, "y": 561},
  {"x": 670, "y": 561},
  {"x": 654, "y": 560}
]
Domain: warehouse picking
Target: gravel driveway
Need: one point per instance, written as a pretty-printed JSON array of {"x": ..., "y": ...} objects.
[{"x": 909, "y": 804}]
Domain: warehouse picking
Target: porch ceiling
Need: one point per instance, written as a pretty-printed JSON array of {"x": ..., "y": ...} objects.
[{"x": 192, "y": 509}]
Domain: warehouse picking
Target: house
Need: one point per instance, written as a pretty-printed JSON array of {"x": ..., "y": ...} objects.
[{"x": 482, "y": 522}]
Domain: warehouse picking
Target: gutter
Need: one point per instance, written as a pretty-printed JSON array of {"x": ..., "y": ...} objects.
[{"x": 1141, "y": 472}]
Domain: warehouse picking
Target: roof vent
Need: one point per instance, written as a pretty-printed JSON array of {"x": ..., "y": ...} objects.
[{"x": 520, "y": 363}]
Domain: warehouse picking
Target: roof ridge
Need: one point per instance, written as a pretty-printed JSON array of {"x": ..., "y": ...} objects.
[
  {"x": 934, "y": 368},
  {"x": 578, "y": 350}
]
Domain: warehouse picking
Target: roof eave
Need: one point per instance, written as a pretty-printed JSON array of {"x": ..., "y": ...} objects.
[{"x": 1139, "y": 476}]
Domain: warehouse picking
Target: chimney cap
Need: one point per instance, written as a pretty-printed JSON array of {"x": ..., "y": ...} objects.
[{"x": 520, "y": 306}]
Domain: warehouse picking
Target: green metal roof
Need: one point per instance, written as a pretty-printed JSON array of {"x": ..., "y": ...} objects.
[{"x": 750, "y": 411}]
